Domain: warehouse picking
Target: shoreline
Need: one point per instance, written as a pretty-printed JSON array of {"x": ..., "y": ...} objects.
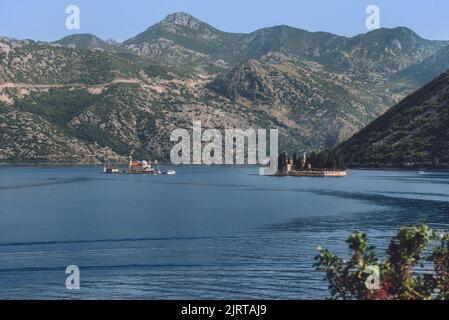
[
  {"x": 396, "y": 169},
  {"x": 69, "y": 164}
]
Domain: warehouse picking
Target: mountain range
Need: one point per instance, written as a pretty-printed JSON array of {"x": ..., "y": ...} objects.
[
  {"x": 412, "y": 134},
  {"x": 82, "y": 99}
]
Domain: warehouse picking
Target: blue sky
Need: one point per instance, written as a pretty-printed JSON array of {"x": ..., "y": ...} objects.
[{"x": 45, "y": 19}]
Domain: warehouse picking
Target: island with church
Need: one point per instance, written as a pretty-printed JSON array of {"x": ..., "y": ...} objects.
[{"x": 323, "y": 164}]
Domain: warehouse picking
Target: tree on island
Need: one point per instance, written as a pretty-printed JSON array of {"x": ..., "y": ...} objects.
[
  {"x": 325, "y": 160},
  {"x": 398, "y": 276},
  {"x": 282, "y": 163}
]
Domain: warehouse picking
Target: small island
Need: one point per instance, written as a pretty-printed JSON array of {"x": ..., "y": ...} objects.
[
  {"x": 136, "y": 167},
  {"x": 323, "y": 164}
]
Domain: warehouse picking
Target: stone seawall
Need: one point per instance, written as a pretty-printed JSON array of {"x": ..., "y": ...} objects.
[{"x": 312, "y": 173}]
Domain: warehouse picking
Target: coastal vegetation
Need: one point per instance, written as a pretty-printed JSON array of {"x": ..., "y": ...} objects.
[
  {"x": 416, "y": 267},
  {"x": 325, "y": 160}
]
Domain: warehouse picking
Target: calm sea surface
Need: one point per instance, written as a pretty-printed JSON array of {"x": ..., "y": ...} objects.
[{"x": 206, "y": 233}]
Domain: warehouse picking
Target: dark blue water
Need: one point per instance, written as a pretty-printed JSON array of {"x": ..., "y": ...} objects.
[{"x": 206, "y": 233}]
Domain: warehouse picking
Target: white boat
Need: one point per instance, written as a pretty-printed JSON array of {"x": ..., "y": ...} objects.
[{"x": 171, "y": 172}]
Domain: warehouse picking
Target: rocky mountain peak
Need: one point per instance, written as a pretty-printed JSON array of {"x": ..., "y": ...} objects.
[
  {"x": 182, "y": 19},
  {"x": 81, "y": 41}
]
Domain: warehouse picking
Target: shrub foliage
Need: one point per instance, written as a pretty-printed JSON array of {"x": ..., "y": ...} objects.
[{"x": 416, "y": 267}]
